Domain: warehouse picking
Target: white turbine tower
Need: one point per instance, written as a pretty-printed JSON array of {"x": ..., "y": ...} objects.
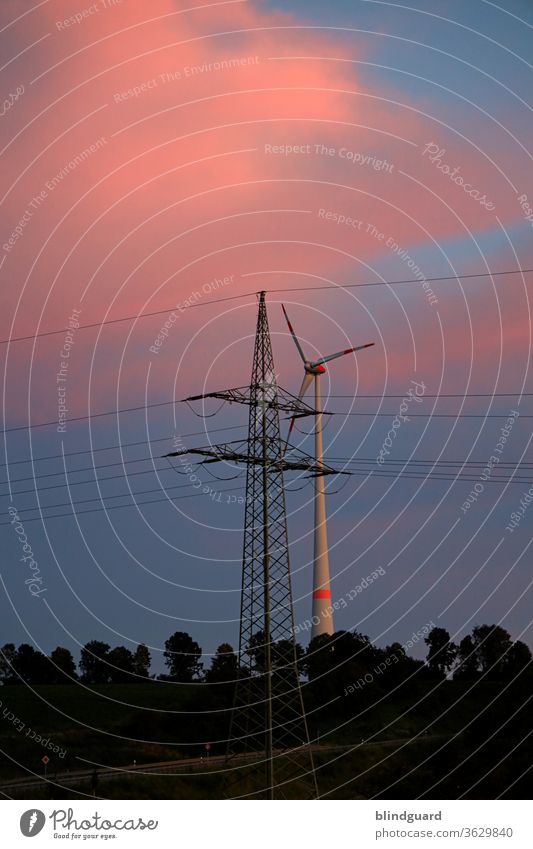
[{"x": 321, "y": 587}]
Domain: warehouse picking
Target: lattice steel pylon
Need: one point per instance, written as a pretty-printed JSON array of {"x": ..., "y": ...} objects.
[
  {"x": 269, "y": 754},
  {"x": 268, "y": 713}
]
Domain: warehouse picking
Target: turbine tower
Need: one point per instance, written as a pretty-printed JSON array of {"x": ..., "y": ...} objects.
[{"x": 321, "y": 584}]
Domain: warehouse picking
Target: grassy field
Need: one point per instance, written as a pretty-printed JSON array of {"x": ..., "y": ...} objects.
[
  {"x": 111, "y": 724},
  {"x": 427, "y": 769},
  {"x": 436, "y": 729}
]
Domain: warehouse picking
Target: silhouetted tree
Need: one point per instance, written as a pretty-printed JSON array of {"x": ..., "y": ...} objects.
[
  {"x": 396, "y": 668},
  {"x": 347, "y": 654},
  {"x": 142, "y": 660},
  {"x": 488, "y": 651},
  {"x": 337, "y": 663},
  {"x": 467, "y": 659},
  {"x": 256, "y": 649},
  {"x": 93, "y": 664},
  {"x": 223, "y": 666},
  {"x": 8, "y": 654},
  {"x": 182, "y": 656},
  {"x": 284, "y": 653},
  {"x": 63, "y": 666},
  {"x": 518, "y": 659},
  {"x": 492, "y": 643},
  {"x": 442, "y": 652},
  {"x": 317, "y": 659},
  {"x": 120, "y": 661},
  {"x": 33, "y": 666}
]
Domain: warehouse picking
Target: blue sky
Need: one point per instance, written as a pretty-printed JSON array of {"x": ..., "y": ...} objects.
[{"x": 138, "y": 575}]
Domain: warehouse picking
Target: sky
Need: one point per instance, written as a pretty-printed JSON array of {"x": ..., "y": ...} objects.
[{"x": 163, "y": 160}]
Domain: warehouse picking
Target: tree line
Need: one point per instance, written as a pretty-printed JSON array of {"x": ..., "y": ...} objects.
[{"x": 345, "y": 661}]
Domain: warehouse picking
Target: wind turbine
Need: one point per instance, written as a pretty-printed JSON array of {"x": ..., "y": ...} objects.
[{"x": 322, "y": 624}]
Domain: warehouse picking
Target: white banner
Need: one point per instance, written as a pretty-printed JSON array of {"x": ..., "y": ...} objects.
[{"x": 241, "y": 825}]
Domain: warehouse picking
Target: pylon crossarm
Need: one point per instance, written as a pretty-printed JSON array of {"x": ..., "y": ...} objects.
[
  {"x": 303, "y": 415},
  {"x": 240, "y": 395},
  {"x": 217, "y": 453},
  {"x": 257, "y": 395}
]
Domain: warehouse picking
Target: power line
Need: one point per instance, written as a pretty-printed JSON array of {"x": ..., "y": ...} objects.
[
  {"x": 117, "y": 445},
  {"x": 444, "y": 395},
  {"x": 81, "y": 483},
  {"x": 468, "y": 466},
  {"x": 376, "y": 474},
  {"x": 101, "y": 499},
  {"x": 121, "y": 319},
  {"x": 431, "y": 415},
  {"x": 85, "y": 469},
  {"x": 399, "y": 282},
  {"x": 194, "y": 433},
  {"x": 92, "y": 416},
  {"x": 436, "y": 476},
  {"x": 121, "y": 506},
  {"x": 93, "y": 480},
  {"x": 126, "y": 475},
  {"x": 124, "y": 462},
  {"x": 269, "y": 291},
  {"x": 475, "y": 463},
  {"x": 336, "y": 413},
  {"x": 441, "y": 476}
]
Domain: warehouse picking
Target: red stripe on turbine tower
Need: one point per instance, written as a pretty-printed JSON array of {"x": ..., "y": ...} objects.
[{"x": 322, "y": 594}]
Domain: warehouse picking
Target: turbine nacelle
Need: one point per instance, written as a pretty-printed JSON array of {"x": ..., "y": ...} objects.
[{"x": 314, "y": 368}]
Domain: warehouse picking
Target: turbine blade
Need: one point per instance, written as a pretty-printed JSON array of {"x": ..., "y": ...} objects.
[
  {"x": 303, "y": 389},
  {"x": 306, "y": 382},
  {"x": 342, "y": 353},
  {"x": 293, "y": 334}
]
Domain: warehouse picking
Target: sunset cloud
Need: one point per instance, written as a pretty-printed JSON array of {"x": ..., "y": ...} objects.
[{"x": 154, "y": 150}]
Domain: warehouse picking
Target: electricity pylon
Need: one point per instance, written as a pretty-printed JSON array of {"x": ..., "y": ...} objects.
[{"x": 269, "y": 753}]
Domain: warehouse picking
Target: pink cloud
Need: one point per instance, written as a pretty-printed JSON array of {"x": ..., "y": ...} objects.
[{"x": 159, "y": 149}]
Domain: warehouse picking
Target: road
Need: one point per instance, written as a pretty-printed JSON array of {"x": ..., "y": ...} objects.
[{"x": 183, "y": 766}]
